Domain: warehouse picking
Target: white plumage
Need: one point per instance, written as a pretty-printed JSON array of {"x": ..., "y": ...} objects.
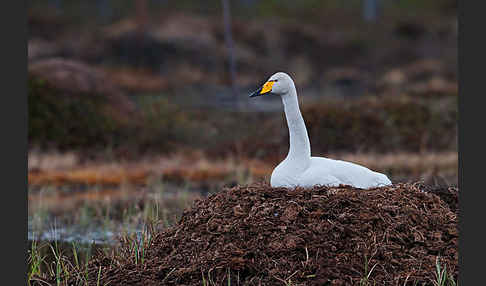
[{"x": 299, "y": 169}]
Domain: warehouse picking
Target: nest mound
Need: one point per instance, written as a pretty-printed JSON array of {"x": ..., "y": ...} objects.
[{"x": 258, "y": 235}]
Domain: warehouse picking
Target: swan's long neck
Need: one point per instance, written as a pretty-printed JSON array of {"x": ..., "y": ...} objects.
[{"x": 299, "y": 141}]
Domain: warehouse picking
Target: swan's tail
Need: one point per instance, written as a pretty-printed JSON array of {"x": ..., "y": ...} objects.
[{"x": 382, "y": 180}]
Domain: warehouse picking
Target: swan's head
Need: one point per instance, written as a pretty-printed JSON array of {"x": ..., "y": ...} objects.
[{"x": 280, "y": 83}]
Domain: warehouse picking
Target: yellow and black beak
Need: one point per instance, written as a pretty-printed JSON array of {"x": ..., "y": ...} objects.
[{"x": 266, "y": 88}]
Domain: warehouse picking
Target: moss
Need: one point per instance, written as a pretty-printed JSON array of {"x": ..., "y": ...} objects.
[
  {"x": 382, "y": 124},
  {"x": 67, "y": 121},
  {"x": 368, "y": 124},
  {"x": 89, "y": 122},
  {"x": 164, "y": 125}
]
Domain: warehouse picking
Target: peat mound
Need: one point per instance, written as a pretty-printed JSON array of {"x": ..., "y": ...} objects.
[{"x": 258, "y": 235}]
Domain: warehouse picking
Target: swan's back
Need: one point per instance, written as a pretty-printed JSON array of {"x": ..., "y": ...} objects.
[
  {"x": 326, "y": 172},
  {"x": 347, "y": 173}
]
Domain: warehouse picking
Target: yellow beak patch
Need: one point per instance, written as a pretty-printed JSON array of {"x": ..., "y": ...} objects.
[{"x": 267, "y": 87}]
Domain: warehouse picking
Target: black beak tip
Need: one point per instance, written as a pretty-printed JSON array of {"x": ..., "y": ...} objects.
[{"x": 256, "y": 93}]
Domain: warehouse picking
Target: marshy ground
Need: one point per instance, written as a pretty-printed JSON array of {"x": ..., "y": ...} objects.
[
  {"x": 258, "y": 235},
  {"x": 95, "y": 208},
  {"x": 106, "y": 195}
]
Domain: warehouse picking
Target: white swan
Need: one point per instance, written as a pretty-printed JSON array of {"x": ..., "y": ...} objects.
[{"x": 299, "y": 169}]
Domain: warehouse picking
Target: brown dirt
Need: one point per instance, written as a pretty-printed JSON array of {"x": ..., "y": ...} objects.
[{"x": 321, "y": 236}]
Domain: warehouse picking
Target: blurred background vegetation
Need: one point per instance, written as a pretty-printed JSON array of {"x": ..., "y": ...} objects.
[{"x": 135, "y": 101}]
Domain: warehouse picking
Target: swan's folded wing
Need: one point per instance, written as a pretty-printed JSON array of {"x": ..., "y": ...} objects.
[
  {"x": 349, "y": 173},
  {"x": 313, "y": 176}
]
